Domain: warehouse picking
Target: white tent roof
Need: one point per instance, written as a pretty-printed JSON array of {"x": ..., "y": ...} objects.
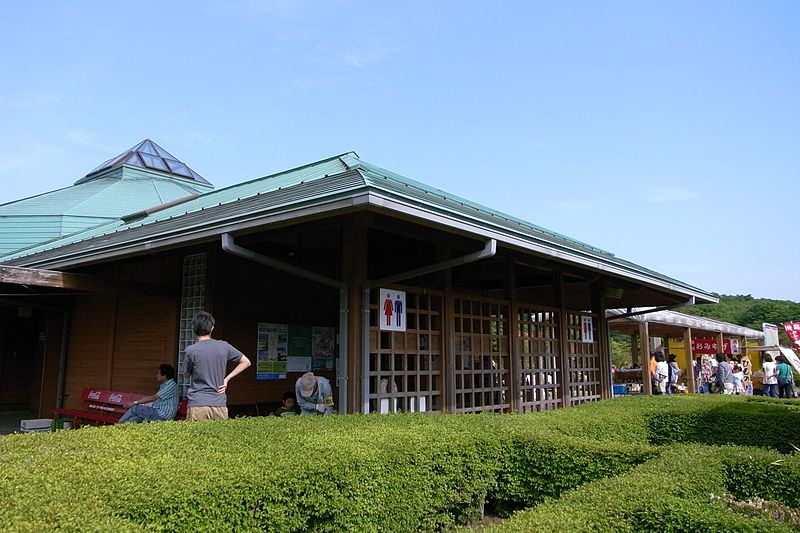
[{"x": 689, "y": 321}]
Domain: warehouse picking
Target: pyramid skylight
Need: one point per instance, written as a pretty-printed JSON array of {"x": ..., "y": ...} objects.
[{"x": 149, "y": 155}]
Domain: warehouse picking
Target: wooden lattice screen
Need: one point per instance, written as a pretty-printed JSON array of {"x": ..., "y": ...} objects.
[
  {"x": 584, "y": 361},
  {"x": 539, "y": 355},
  {"x": 405, "y": 368},
  {"x": 482, "y": 358}
]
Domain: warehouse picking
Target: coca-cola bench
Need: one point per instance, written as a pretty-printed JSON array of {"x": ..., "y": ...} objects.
[{"x": 101, "y": 407}]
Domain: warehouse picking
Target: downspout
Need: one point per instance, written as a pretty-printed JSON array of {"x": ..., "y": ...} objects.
[
  {"x": 62, "y": 361},
  {"x": 231, "y": 247},
  {"x": 489, "y": 250}
]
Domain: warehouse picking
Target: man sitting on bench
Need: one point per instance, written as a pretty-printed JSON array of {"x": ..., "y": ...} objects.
[{"x": 165, "y": 401}]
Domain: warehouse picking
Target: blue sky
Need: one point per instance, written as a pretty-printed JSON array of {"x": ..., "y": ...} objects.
[{"x": 665, "y": 132}]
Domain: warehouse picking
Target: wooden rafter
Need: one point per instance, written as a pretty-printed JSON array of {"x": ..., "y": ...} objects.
[{"x": 37, "y": 277}]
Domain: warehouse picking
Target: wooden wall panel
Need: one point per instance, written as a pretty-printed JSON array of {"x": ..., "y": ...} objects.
[
  {"x": 89, "y": 338},
  {"x": 145, "y": 338}
]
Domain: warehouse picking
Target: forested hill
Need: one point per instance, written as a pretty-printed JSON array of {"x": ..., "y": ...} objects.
[{"x": 750, "y": 312}]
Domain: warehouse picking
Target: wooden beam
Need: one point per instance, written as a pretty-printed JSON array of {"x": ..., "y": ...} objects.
[{"x": 37, "y": 277}]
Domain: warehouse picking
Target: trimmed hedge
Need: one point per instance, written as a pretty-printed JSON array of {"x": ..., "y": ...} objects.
[
  {"x": 350, "y": 473},
  {"x": 683, "y": 490}
]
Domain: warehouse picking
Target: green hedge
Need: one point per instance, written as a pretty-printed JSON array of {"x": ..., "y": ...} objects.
[
  {"x": 683, "y": 490},
  {"x": 351, "y": 473}
]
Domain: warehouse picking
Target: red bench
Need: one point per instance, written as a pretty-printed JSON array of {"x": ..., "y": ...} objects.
[{"x": 101, "y": 407}]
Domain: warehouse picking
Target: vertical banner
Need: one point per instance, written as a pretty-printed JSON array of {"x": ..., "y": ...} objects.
[
  {"x": 792, "y": 329},
  {"x": 771, "y": 338},
  {"x": 392, "y": 310},
  {"x": 587, "y": 333}
]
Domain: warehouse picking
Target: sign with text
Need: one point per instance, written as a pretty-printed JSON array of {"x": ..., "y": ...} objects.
[
  {"x": 708, "y": 345},
  {"x": 792, "y": 329}
]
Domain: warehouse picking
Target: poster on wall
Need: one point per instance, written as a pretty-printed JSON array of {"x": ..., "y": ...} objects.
[
  {"x": 323, "y": 340},
  {"x": 587, "y": 333},
  {"x": 392, "y": 307},
  {"x": 283, "y": 348},
  {"x": 272, "y": 351},
  {"x": 299, "y": 348}
]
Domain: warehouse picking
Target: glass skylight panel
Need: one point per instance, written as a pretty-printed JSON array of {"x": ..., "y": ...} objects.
[
  {"x": 163, "y": 153},
  {"x": 153, "y": 162},
  {"x": 147, "y": 148},
  {"x": 133, "y": 160},
  {"x": 179, "y": 168}
]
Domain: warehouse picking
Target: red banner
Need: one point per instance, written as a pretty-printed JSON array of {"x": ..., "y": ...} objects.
[
  {"x": 709, "y": 345},
  {"x": 793, "y": 331}
]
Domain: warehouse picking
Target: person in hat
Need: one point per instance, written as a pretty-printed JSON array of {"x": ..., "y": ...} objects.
[{"x": 314, "y": 395}]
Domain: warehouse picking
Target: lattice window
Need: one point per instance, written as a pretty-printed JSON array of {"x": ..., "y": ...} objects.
[
  {"x": 584, "y": 361},
  {"x": 193, "y": 296},
  {"x": 405, "y": 368},
  {"x": 482, "y": 357},
  {"x": 539, "y": 355}
]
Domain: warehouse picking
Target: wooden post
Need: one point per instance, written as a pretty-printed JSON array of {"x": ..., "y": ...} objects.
[
  {"x": 563, "y": 367},
  {"x": 720, "y": 343},
  {"x": 644, "y": 357},
  {"x": 515, "y": 372},
  {"x": 687, "y": 343},
  {"x": 598, "y": 307},
  {"x": 354, "y": 273}
]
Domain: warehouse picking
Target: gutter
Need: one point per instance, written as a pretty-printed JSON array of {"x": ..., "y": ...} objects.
[
  {"x": 489, "y": 250},
  {"x": 231, "y": 247}
]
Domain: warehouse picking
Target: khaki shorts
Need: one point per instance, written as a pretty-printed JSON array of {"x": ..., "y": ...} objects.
[{"x": 205, "y": 412}]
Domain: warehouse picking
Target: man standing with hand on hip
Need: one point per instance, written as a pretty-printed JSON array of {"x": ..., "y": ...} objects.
[{"x": 205, "y": 363}]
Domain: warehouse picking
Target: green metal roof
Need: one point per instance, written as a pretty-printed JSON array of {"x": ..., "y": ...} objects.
[
  {"x": 345, "y": 179},
  {"x": 108, "y": 195}
]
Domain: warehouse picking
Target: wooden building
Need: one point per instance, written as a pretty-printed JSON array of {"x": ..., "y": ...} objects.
[{"x": 500, "y": 314}]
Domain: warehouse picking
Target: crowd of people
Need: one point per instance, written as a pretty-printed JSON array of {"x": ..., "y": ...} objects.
[{"x": 723, "y": 374}]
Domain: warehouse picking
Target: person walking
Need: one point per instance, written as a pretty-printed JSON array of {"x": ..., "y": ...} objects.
[{"x": 205, "y": 363}]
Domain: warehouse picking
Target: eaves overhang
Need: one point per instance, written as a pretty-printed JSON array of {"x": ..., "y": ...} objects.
[{"x": 348, "y": 194}]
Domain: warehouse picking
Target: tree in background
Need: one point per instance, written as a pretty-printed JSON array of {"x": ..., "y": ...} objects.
[{"x": 749, "y": 312}]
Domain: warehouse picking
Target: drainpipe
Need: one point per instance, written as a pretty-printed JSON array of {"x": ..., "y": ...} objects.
[
  {"x": 231, "y": 247},
  {"x": 62, "y": 361},
  {"x": 489, "y": 250}
]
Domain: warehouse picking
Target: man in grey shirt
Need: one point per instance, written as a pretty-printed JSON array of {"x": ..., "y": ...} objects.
[{"x": 205, "y": 363}]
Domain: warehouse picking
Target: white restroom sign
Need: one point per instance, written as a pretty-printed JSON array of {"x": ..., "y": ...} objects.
[{"x": 392, "y": 307}]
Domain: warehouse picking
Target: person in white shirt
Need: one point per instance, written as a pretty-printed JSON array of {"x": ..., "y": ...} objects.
[{"x": 770, "y": 377}]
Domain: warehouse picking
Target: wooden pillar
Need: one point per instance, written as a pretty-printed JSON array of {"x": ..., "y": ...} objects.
[
  {"x": 603, "y": 348},
  {"x": 354, "y": 273},
  {"x": 443, "y": 252},
  {"x": 563, "y": 360},
  {"x": 644, "y": 357},
  {"x": 687, "y": 343},
  {"x": 720, "y": 343},
  {"x": 449, "y": 334},
  {"x": 515, "y": 372}
]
